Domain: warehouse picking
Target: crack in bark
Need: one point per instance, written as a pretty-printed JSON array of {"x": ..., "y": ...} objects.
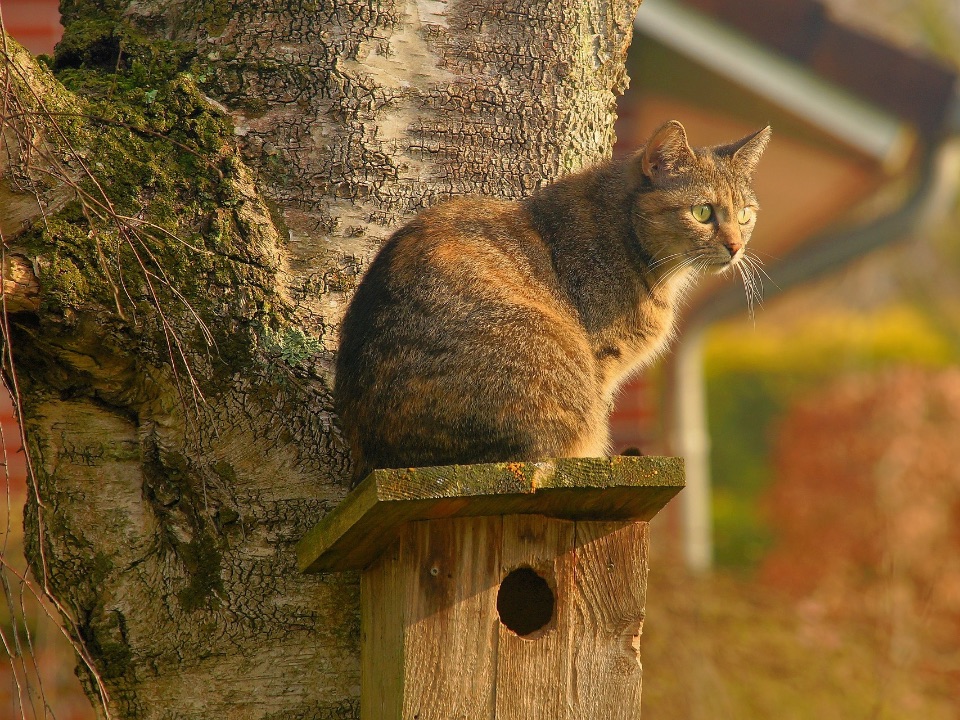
[
  {"x": 171, "y": 528},
  {"x": 20, "y": 288}
]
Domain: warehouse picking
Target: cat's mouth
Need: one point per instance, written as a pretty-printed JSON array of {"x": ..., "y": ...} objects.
[{"x": 720, "y": 266}]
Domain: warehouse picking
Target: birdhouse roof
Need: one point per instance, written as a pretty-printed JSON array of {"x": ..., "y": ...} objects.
[{"x": 619, "y": 488}]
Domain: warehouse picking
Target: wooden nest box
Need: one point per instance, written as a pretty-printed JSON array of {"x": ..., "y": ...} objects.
[{"x": 509, "y": 591}]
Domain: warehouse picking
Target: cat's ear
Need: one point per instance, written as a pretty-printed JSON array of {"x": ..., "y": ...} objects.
[
  {"x": 667, "y": 151},
  {"x": 745, "y": 153}
]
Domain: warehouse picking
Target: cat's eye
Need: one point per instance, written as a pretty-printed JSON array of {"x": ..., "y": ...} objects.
[
  {"x": 745, "y": 215},
  {"x": 702, "y": 213}
]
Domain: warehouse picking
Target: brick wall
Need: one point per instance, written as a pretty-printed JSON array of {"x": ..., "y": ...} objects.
[
  {"x": 11, "y": 454},
  {"x": 35, "y": 24}
]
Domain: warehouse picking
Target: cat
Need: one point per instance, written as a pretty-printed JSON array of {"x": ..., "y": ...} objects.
[{"x": 487, "y": 330}]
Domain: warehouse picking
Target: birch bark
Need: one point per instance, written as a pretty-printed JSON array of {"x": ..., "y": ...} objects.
[{"x": 190, "y": 192}]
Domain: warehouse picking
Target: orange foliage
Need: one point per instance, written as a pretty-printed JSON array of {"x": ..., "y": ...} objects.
[{"x": 866, "y": 507}]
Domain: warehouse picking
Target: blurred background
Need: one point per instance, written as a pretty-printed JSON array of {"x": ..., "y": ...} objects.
[
  {"x": 37, "y": 678},
  {"x": 811, "y": 569}
]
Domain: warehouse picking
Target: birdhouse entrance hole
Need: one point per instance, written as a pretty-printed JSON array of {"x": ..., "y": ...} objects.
[
  {"x": 507, "y": 590},
  {"x": 525, "y": 602}
]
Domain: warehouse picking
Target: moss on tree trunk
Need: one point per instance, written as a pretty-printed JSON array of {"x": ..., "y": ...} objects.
[{"x": 217, "y": 175}]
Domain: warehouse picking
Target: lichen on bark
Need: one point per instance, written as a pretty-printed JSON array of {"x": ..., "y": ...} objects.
[{"x": 219, "y": 175}]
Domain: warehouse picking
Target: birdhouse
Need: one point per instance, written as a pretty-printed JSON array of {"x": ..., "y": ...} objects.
[{"x": 510, "y": 591}]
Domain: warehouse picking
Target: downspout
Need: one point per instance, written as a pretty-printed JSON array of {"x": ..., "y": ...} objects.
[
  {"x": 690, "y": 439},
  {"x": 929, "y": 201}
]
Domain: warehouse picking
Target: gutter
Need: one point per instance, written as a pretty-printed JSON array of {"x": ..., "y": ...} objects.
[{"x": 853, "y": 121}]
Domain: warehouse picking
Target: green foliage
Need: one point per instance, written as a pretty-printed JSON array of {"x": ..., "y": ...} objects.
[
  {"x": 831, "y": 341},
  {"x": 754, "y": 374},
  {"x": 290, "y": 344}
]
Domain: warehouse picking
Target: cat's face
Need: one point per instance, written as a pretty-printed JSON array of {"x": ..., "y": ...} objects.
[{"x": 699, "y": 210}]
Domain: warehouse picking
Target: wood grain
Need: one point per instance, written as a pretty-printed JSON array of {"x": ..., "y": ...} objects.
[
  {"x": 433, "y": 646},
  {"x": 367, "y": 521},
  {"x": 382, "y": 591},
  {"x": 533, "y": 672},
  {"x": 611, "y": 584},
  {"x": 450, "y": 620}
]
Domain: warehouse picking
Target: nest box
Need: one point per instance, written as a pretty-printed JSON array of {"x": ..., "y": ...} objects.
[{"x": 508, "y": 591}]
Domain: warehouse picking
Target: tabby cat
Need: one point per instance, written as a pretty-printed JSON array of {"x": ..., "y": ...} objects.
[{"x": 487, "y": 330}]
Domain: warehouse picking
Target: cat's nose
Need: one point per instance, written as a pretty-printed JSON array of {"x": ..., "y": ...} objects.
[{"x": 733, "y": 247}]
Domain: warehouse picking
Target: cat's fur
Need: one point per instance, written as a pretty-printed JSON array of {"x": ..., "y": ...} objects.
[{"x": 487, "y": 330}]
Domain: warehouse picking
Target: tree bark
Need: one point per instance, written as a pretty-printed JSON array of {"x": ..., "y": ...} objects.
[{"x": 214, "y": 177}]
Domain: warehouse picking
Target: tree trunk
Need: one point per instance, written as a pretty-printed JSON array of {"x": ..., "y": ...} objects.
[{"x": 215, "y": 177}]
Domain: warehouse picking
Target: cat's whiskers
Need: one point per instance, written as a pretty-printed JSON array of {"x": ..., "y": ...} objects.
[
  {"x": 670, "y": 271},
  {"x": 660, "y": 261},
  {"x": 664, "y": 278},
  {"x": 748, "y": 286},
  {"x": 652, "y": 222},
  {"x": 757, "y": 264},
  {"x": 705, "y": 261},
  {"x": 688, "y": 260},
  {"x": 758, "y": 253},
  {"x": 757, "y": 268},
  {"x": 750, "y": 269}
]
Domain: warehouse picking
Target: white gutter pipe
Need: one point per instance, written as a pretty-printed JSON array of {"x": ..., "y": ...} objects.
[{"x": 930, "y": 201}]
